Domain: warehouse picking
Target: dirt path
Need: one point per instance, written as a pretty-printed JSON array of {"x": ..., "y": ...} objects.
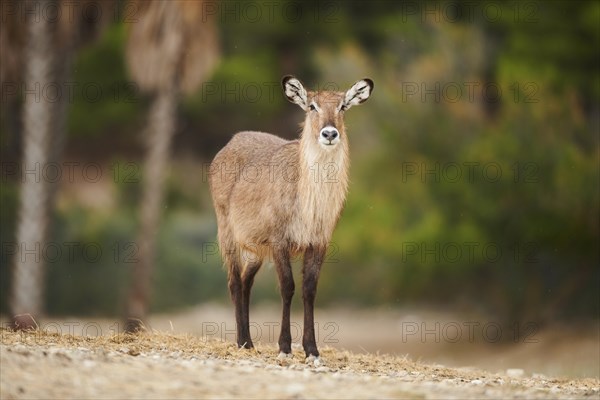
[{"x": 159, "y": 365}]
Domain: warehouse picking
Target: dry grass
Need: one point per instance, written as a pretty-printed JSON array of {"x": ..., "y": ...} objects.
[
  {"x": 188, "y": 346},
  {"x": 344, "y": 374}
]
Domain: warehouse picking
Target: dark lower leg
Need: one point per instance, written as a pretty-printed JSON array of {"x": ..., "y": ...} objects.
[
  {"x": 235, "y": 290},
  {"x": 313, "y": 258},
  {"x": 286, "y": 287},
  {"x": 247, "y": 280}
]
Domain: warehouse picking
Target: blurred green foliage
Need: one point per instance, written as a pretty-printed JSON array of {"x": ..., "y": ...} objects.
[
  {"x": 485, "y": 198},
  {"x": 105, "y": 99}
]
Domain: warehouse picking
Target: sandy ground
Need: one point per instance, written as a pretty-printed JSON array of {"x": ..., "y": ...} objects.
[
  {"x": 426, "y": 335},
  {"x": 204, "y": 363},
  {"x": 159, "y": 365}
]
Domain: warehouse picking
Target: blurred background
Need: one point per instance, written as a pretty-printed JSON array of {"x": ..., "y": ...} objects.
[{"x": 475, "y": 164}]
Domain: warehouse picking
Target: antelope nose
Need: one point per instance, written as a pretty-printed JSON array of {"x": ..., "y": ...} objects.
[{"x": 329, "y": 133}]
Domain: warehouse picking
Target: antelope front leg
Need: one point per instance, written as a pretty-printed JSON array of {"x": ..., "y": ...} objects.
[
  {"x": 247, "y": 280},
  {"x": 313, "y": 259},
  {"x": 286, "y": 287},
  {"x": 235, "y": 290}
]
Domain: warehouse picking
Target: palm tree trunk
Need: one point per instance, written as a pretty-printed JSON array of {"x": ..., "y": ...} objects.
[
  {"x": 28, "y": 268},
  {"x": 171, "y": 49},
  {"x": 159, "y": 131}
]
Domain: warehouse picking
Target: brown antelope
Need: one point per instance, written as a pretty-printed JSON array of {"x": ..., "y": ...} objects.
[{"x": 277, "y": 198}]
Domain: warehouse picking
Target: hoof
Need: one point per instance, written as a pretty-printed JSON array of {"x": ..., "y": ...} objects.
[
  {"x": 284, "y": 359},
  {"x": 313, "y": 360},
  {"x": 246, "y": 345},
  {"x": 284, "y": 356}
]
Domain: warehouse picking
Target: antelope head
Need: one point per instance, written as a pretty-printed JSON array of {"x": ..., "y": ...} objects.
[{"x": 324, "y": 122}]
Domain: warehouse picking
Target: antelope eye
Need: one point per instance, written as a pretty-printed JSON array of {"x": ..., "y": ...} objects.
[{"x": 312, "y": 107}]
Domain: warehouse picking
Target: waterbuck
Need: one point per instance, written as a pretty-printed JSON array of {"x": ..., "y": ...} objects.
[{"x": 277, "y": 198}]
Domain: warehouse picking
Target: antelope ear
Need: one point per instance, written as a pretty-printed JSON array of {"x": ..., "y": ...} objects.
[
  {"x": 294, "y": 91},
  {"x": 358, "y": 93}
]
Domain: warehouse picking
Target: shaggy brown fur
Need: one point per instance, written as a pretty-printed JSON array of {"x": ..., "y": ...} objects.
[{"x": 277, "y": 198}]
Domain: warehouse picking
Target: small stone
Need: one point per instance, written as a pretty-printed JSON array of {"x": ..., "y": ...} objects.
[
  {"x": 312, "y": 360},
  {"x": 63, "y": 356},
  {"x": 515, "y": 372},
  {"x": 294, "y": 389}
]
